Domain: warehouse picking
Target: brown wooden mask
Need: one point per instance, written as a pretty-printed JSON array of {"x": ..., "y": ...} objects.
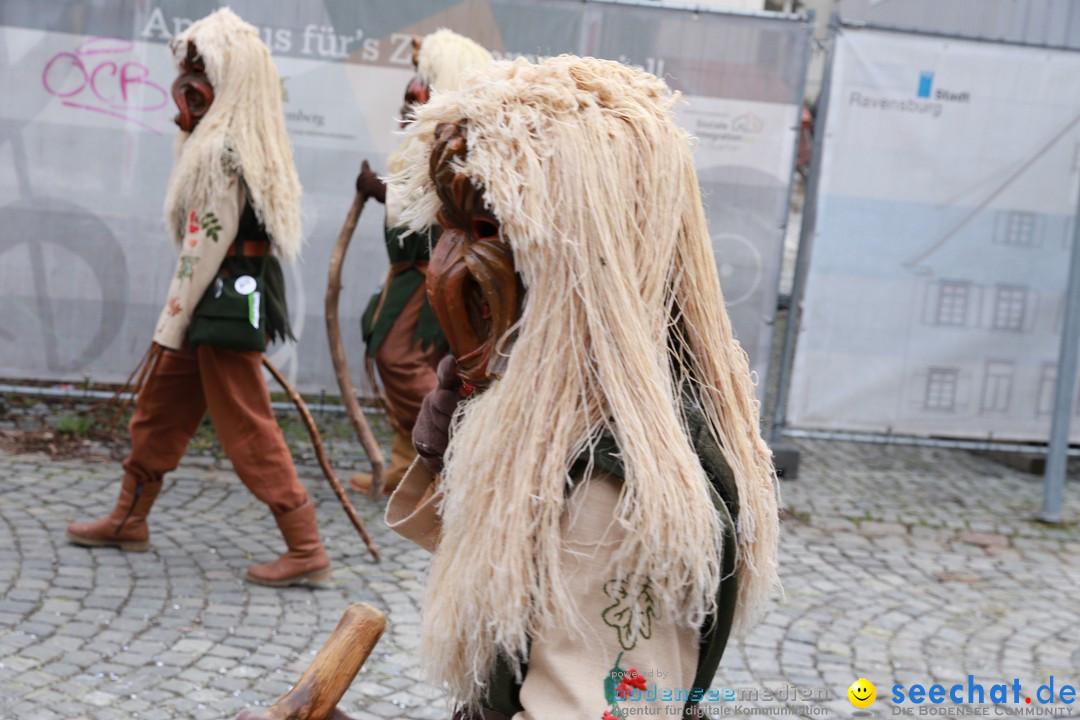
[
  {"x": 471, "y": 282},
  {"x": 192, "y": 91},
  {"x": 417, "y": 93}
]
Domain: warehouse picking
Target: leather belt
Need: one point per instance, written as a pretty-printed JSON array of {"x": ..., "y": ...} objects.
[
  {"x": 249, "y": 248},
  {"x": 400, "y": 267}
]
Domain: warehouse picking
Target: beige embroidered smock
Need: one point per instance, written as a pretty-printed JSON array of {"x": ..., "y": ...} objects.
[
  {"x": 209, "y": 232},
  {"x": 567, "y": 669}
]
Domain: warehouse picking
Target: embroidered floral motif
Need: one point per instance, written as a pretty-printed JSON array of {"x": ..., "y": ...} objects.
[
  {"x": 630, "y": 614},
  {"x": 628, "y": 681},
  {"x": 611, "y": 688},
  {"x": 192, "y": 223},
  {"x": 211, "y": 225},
  {"x": 187, "y": 266},
  {"x": 174, "y": 307},
  {"x": 632, "y": 680}
]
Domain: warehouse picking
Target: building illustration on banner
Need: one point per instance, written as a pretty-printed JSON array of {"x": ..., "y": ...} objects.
[
  {"x": 935, "y": 297},
  {"x": 1000, "y": 303}
]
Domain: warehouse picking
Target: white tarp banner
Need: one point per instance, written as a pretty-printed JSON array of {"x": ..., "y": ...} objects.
[
  {"x": 935, "y": 295},
  {"x": 86, "y": 146}
]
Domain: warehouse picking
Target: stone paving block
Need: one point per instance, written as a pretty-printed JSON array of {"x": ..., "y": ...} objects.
[
  {"x": 192, "y": 647},
  {"x": 99, "y": 698}
]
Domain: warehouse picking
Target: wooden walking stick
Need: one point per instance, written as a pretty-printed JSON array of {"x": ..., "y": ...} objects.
[
  {"x": 316, "y": 441},
  {"x": 318, "y": 691},
  {"x": 337, "y": 350}
]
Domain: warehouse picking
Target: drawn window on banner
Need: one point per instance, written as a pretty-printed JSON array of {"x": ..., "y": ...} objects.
[
  {"x": 952, "y": 306},
  {"x": 1019, "y": 228},
  {"x": 1010, "y": 307},
  {"x": 997, "y": 387},
  {"x": 1047, "y": 381},
  {"x": 941, "y": 389}
]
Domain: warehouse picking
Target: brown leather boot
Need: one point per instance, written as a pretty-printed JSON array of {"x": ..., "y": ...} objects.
[
  {"x": 125, "y": 527},
  {"x": 402, "y": 454},
  {"x": 306, "y": 560}
]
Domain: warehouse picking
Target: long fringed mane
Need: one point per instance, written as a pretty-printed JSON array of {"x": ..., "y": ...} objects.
[
  {"x": 445, "y": 57},
  {"x": 443, "y": 60},
  {"x": 595, "y": 187},
  {"x": 244, "y": 130}
]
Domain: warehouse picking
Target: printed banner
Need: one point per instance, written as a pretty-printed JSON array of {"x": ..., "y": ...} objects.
[
  {"x": 935, "y": 298},
  {"x": 86, "y": 132}
]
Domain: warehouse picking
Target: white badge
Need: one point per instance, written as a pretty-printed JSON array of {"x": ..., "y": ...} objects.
[{"x": 245, "y": 285}]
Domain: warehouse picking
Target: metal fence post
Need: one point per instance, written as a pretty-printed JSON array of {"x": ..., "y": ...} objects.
[
  {"x": 808, "y": 23},
  {"x": 806, "y": 231},
  {"x": 1054, "y": 478}
]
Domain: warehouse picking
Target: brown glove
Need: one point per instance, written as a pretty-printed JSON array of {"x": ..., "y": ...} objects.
[
  {"x": 369, "y": 185},
  {"x": 431, "y": 433}
]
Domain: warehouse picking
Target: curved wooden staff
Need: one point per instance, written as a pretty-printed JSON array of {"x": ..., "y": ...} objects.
[
  {"x": 337, "y": 350},
  {"x": 316, "y": 441},
  {"x": 318, "y": 691}
]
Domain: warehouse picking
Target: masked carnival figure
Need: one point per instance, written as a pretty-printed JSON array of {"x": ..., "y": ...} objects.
[
  {"x": 601, "y": 507},
  {"x": 232, "y": 207},
  {"x": 401, "y": 334}
]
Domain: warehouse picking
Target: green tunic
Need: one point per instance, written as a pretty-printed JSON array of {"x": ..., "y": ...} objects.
[
  {"x": 269, "y": 268},
  {"x": 406, "y": 251}
]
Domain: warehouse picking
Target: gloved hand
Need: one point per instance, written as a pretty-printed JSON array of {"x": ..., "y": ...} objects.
[
  {"x": 431, "y": 433},
  {"x": 369, "y": 184}
]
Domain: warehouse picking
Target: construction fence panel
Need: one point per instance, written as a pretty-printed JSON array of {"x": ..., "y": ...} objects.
[
  {"x": 946, "y": 200},
  {"x": 86, "y": 141}
]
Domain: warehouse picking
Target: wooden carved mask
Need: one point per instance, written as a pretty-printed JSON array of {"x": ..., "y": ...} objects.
[
  {"x": 192, "y": 91},
  {"x": 417, "y": 93},
  {"x": 471, "y": 283}
]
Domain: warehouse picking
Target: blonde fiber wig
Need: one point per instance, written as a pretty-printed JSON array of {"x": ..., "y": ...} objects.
[
  {"x": 445, "y": 56},
  {"x": 443, "y": 60},
  {"x": 595, "y": 188},
  {"x": 243, "y": 131}
]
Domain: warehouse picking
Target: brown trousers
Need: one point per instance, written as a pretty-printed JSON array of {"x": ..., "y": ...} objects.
[
  {"x": 230, "y": 384},
  {"x": 407, "y": 370}
]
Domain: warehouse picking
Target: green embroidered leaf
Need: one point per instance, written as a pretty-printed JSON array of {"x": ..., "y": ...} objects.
[
  {"x": 187, "y": 266},
  {"x": 610, "y": 683},
  {"x": 211, "y": 225},
  {"x": 620, "y": 615},
  {"x": 609, "y": 689}
]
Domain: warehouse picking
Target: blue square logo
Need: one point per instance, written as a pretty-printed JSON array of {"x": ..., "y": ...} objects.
[{"x": 926, "y": 83}]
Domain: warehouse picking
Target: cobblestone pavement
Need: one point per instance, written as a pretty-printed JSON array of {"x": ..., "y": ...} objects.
[{"x": 900, "y": 565}]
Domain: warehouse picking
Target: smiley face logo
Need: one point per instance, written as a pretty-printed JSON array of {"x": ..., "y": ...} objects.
[{"x": 862, "y": 693}]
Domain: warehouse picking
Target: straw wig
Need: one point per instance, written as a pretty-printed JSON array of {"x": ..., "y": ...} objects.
[
  {"x": 242, "y": 132},
  {"x": 444, "y": 58},
  {"x": 595, "y": 188}
]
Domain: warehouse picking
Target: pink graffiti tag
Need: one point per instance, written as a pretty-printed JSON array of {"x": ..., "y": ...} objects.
[{"x": 101, "y": 85}]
